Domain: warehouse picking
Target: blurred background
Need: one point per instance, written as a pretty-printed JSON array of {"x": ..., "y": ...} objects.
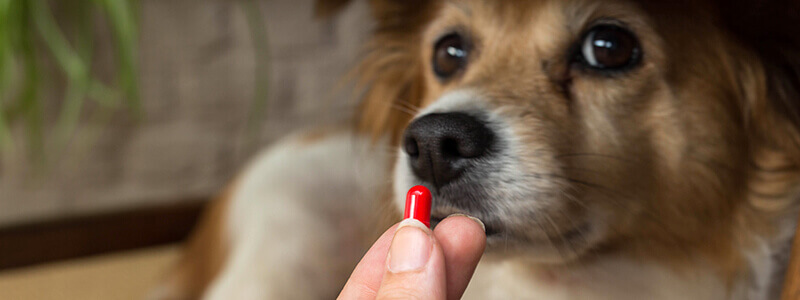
[{"x": 119, "y": 119}]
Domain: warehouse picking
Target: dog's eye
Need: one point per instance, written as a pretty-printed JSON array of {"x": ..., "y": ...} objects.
[
  {"x": 609, "y": 47},
  {"x": 449, "y": 55}
]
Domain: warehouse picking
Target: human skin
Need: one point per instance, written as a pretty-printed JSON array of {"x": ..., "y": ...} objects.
[{"x": 413, "y": 262}]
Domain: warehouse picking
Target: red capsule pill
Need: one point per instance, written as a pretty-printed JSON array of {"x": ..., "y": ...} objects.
[{"x": 418, "y": 205}]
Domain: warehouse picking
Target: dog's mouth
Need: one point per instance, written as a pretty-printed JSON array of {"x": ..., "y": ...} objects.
[
  {"x": 494, "y": 232},
  {"x": 536, "y": 232}
]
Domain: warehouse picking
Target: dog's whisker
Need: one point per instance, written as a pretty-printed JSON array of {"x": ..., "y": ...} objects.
[
  {"x": 573, "y": 199},
  {"x": 563, "y": 244},
  {"x": 615, "y": 195},
  {"x": 550, "y": 242},
  {"x": 582, "y": 169},
  {"x": 409, "y": 105},
  {"x": 403, "y": 109},
  {"x": 595, "y": 155},
  {"x": 578, "y": 234}
]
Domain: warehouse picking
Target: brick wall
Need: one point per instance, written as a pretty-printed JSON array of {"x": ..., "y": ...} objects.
[{"x": 197, "y": 77}]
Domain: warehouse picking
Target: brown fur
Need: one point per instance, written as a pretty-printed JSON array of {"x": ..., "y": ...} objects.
[
  {"x": 204, "y": 254},
  {"x": 705, "y": 135},
  {"x": 391, "y": 73},
  {"x": 748, "y": 101}
]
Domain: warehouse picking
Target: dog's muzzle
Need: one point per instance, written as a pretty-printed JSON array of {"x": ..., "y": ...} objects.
[{"x": 442, "y": 146}]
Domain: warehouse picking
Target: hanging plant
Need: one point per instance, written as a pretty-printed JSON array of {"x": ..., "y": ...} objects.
[{"x": 29, "y": 34}]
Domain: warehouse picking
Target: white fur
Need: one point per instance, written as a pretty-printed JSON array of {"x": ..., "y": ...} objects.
[
  {"x": 609, "y": 278},
  {"x": 294, "y": 209},
  {"x": 270, "y": 245},
  {"x": 300, "y": 208},
  {"x": 765, "y": 258}
]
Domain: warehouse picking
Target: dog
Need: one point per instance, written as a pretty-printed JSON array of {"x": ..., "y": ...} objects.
[{"x": 614, "y": 150}]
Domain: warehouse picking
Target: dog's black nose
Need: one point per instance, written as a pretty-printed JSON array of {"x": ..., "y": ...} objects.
[{"x": 440, "y": 146}]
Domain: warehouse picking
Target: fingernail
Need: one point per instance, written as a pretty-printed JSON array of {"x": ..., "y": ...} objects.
[
  {"x": 472, "y": 218},
  {"x": 411, "y": 247}
]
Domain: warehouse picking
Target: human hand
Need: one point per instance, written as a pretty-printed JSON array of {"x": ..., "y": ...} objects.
[{"x": 409, "y": 261}]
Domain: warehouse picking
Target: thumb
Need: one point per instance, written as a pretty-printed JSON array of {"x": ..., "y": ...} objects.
[{"x": 415, "y": 266}]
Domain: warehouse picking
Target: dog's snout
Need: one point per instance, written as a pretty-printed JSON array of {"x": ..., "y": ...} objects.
[{"x": 441, "y": 145}]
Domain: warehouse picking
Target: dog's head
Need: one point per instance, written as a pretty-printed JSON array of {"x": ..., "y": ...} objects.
[{"x": 579, "y": 127}]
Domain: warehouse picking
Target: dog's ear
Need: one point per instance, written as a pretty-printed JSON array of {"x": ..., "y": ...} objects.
[
  {"x": 782, "y": 75},
  {"x": 770, "y": 30},
  {"x": 390, "y": 75}
]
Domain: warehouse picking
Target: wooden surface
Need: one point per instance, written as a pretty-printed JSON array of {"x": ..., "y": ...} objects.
[
  {"x": 791, "y": 285},
  {"x": 75, "y": 237},
  {"x": 127, "y": 275}
]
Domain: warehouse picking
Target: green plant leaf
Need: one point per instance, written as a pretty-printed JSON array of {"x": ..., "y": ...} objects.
[
  {"x": 30, "y": 105},
  {"x": 28, "y": 33},
  {"x": 122, "y": 19},
  {"x": 6, "y": 61},
  {"x": 69, "y": 60},
  {"x": 258, "y": 36}
]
